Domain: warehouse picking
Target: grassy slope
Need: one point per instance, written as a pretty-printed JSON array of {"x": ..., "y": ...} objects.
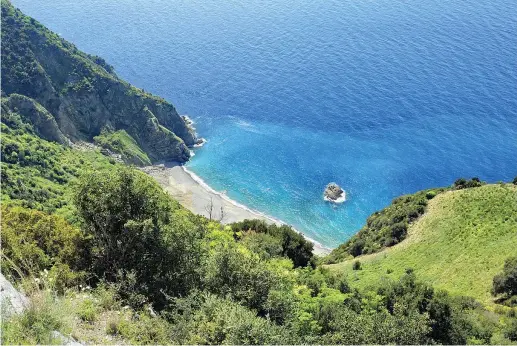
[
  {"x": 122, "y": 143},
  {"x": 458, "y": 245}
]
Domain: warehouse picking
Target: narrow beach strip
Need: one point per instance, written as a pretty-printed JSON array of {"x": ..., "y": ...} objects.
[{"x": 198, "y": 197}]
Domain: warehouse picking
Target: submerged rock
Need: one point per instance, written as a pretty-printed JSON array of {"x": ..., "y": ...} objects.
[{"x": 334, "y": 193}]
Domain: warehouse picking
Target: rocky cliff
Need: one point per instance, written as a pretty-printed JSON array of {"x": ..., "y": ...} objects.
[{"x": 80, "y": 93}]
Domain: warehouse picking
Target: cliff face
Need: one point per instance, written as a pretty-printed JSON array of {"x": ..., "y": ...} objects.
[
  {"x": 35, "y": 114},
  {"x": 82, "y": 93}
]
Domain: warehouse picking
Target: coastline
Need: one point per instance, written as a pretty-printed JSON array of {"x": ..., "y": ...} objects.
[{"x": 198, "y": 197}]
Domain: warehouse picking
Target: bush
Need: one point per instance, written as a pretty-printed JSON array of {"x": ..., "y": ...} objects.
[
  {"x": 122, "y": 212},
  {"x": 88, "y": 310},
  {"x": 462, "y": 183},
  {"x": 356, "y": 265},
  {"x": 294, "y": 245},
  {"x": 33, "y": 241},
  {"x": 263, "y": 244},
  {"x": 212, "y": 320},
  {"x": 506, "y": 282},
  {"x": 430, "y": 194},
  {"x": 239, "y": 275},
  {"x": 141, "y": 329},
  {"x": 510, "y": 331}
]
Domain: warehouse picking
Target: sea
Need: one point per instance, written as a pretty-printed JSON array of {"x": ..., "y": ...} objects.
[{"x": 383, "y": 97}]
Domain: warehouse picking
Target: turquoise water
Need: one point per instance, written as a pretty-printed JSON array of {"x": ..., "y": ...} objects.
[{"x": 383, "y": 97}]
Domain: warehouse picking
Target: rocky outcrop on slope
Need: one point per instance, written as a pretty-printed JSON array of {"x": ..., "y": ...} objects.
[
  {"x": 12, "y": 301},
  {"x": 32, "y": 112}
]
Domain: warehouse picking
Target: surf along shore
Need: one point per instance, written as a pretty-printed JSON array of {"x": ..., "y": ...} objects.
[{"x": 195, "y": 195}]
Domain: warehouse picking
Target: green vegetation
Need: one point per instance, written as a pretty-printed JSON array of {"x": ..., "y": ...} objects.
[
  {"x": 160, "y": 274},
  {"x": 36, "y": 324},
  {"x": 459, "y": 245},
  {"x": 192, "y": 280},
  {"x": 37, "y": 173},
  {"x": 505, "y": 283},
  {"x": 122, "y": 143},
  {"x": 134, "y": 226},
  {"x": 272, "y": 240},
  {"x": 386, "y": 227},
  {"x": 465, "y": 184},
  {"x": 34, "y": 242},
  {"x": 389, "y": 226},
  {"x": 106, "y": 256}
]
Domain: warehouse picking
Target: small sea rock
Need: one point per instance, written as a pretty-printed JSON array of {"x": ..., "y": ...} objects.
[{"x": 334, "y": 193}]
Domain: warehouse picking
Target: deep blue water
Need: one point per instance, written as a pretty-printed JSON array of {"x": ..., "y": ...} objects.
[{"x": 383, "y": 97}]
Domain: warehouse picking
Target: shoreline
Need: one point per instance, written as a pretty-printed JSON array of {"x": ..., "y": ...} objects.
[{"x": 196, "y": 195}]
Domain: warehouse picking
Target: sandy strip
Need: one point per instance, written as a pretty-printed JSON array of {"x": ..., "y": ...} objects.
[{"x": 193, "y": 193}]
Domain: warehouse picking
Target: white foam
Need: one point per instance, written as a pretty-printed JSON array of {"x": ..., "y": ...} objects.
[
  {"x": 199, "y": 145},
  {"x": 247, "y": 126},
  {"x": 187, "y": 119},
  {"x": 279, "y": 222},
  {"x": 337, "y": 200}
]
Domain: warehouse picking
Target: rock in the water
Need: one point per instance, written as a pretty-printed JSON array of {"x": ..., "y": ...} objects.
[{"x": 334, "y": 193}]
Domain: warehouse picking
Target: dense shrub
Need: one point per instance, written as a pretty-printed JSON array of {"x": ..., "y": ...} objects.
[
  {"x": 38, "y": 176},
  {"x": 142, "y": 329},
  {"x": 235, "y": 285},
  {"x": 263, "y": 244},
  {"x": 33, "y": 241},
  {"x": 137, "y": 241},
  {"x": 240, "y": 275},
  {"x": 505, "y": 283},
  {"x": 510, "y": 331},
  {"x": 251, "y": 283},
  {"x": 449, "y": 318},
  {"x": 294, "y": 245},
  {"x": 208, "y": 319},
  {"x": 462, "y": 183}
]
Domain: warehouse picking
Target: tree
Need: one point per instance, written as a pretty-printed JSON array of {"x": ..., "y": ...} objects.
[
  {"x": 294, "y": 245},
  {"x": 140, "y": 241},
  {"x": 505, "y": 283},
  {"x": 209, "y": 208},
  {"x": 239, "y": 274}
]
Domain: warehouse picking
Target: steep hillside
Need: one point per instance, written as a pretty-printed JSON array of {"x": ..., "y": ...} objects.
[
  {"x": 459, "y": 244},
  {"x": 78, "y": 95},
  {"x": 35, "y": 172}
]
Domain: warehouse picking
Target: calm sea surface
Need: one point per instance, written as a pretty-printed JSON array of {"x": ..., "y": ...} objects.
[{"x": 383, "y": 97}]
